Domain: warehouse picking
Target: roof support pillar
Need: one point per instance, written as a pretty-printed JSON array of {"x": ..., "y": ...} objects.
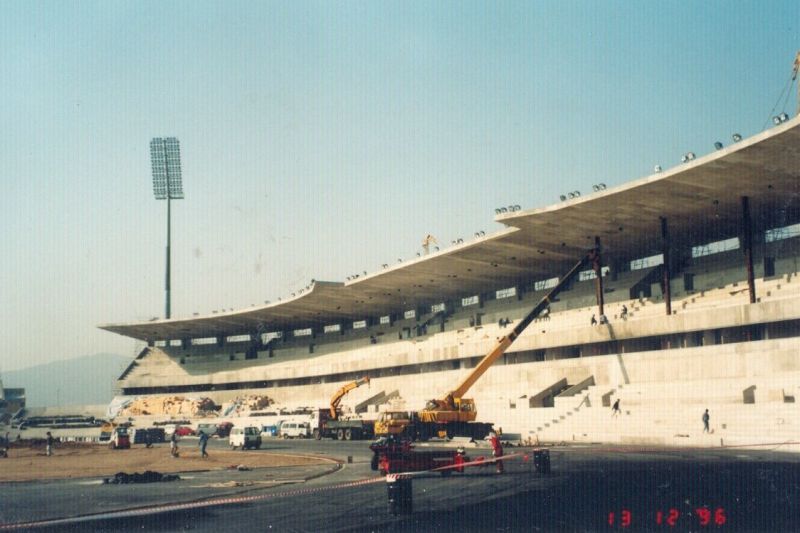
[
  {"x": 597, "y": 266},
  {"x": 747, "y": 242},
  {"x": 667, "y": 275}
]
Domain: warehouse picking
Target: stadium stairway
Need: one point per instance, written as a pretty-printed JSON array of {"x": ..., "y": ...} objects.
[{"x": 670, "y": 414}]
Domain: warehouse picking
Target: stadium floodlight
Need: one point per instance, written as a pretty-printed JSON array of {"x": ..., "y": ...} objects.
[
  {"x": 165, "y": 157},
  {"x": 718, "y": 145},
  {"x": 736, "y": 137}
]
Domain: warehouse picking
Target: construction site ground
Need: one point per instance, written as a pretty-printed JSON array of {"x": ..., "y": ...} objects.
[
  {"x": 590, "y": 488},
  {"x": 28, "y": 462}
]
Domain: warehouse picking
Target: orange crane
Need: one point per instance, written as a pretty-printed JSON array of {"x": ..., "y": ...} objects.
[
  {"x": 326, "y": 422},
  {"x": 453, "y": 411},
  {"x": 336, "y": 399}
]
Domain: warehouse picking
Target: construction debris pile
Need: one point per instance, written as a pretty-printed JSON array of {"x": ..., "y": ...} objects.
[
  {"x": 121, "y": 478},
  {"x": 244, "y": 404},
  {"x": 171, "y": 405}
]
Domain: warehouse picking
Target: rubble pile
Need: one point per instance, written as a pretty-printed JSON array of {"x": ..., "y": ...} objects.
[
  {"x": 171, "y": 405},
  {"x": 122, "y": 478},
  {"x": 251, "y": 402}
]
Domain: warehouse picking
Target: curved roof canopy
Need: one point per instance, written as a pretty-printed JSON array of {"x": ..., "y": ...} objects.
[{"x": 701, "y": 201}]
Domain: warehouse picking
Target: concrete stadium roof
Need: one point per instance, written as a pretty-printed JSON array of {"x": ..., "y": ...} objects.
[{"x": 701, "y": 201}]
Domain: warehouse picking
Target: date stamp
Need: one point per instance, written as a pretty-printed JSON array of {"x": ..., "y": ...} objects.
[{"x": 701, "y": 516}]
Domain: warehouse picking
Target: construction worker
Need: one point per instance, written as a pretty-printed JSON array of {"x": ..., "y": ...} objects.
[
  {"x": 173, "y": 445},
  {"x": 203, "y": 443},
  {"x": 497, "y": 450},
  {"x": 49, "y": 442}
]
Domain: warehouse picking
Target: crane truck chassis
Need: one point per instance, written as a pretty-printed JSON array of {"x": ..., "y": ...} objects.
[
  {"x": 327, "y": 422},
  {"x": 353, "y": 429}
]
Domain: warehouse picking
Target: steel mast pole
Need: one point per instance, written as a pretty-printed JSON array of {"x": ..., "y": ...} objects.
[{"x": 169, "y": 233}]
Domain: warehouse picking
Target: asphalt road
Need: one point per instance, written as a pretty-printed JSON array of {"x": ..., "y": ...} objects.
[{"x": 590, "y": 488}]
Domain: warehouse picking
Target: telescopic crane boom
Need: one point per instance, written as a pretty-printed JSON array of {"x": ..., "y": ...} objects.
[
  {"x": 337, "y": 398},
  {"x": 453, "y": 407}
]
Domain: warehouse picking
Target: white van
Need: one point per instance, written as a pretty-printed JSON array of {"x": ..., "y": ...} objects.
[
  {"x": 244, "y": 438},
  {"x": 291, "y": 430}
]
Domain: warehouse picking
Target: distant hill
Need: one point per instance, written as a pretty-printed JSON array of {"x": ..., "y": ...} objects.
[{"x": 84, "y": 380}]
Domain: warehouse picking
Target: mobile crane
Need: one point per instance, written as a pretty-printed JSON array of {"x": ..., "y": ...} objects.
[
  {"x": 454, "y": 415},
  {"x": 327, "y": 422}
]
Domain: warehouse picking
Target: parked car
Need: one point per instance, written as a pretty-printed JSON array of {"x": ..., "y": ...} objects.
[
  {"x": 269, "y": 431},
  {"x": 184, "y": 431},
  {"x": 120, "y": 439},
  {"x": 224, "y": 429},
  {"x": 245, "y": 437},
  {"x": 208, "y": 429},
  {"x": 148, "y": 435},
  {"x": 292, "y": 430}
]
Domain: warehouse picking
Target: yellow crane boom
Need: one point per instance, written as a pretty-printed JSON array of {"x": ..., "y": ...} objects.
[
  {"x": 453, "y": 407},
  {"x": 336, "y": 399}
]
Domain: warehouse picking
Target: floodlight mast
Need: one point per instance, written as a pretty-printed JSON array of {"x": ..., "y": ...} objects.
[{"x": 166, "y": 161}]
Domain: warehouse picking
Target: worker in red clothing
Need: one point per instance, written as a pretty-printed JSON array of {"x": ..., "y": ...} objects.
[{"x": 497, "y": 450}]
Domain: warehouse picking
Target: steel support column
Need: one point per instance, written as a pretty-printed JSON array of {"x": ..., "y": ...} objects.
[
  {"x": 597, "y": 266},
  {"x": 747, "y": 242},
  {"x": 666, "y": 266}
]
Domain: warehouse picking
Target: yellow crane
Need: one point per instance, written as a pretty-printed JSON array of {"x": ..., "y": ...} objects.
[
  {"x": 336, "y": 399},
  {"x": 453, "y": 407}
]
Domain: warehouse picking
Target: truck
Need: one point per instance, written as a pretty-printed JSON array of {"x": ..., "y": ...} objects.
[
  {"x": 394, "y": 456},
  {"x": 453, "y": 415},
  {"x": 120, "y": 439},
  {"x": 329, "y": 422},
  {"x": 411, "y": 425},
  {"x": 110, "y": 432}
]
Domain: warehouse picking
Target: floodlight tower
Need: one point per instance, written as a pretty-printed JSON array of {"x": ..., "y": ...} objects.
[{"x": 165, "y": 155}]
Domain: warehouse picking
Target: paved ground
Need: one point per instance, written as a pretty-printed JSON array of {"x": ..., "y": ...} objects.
[{"x": 590, "y": 489}]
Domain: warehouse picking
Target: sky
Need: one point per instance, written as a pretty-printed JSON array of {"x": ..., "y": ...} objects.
[{"x": 321, "y": 139}]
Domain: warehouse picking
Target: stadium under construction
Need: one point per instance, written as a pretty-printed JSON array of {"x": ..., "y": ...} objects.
[{"x": 693, "y": 304}]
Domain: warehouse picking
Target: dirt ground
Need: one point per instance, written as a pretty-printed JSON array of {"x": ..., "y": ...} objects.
[{"x": 71, "y": 460}]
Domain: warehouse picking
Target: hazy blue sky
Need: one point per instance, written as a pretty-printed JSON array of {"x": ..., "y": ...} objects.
[{"x": 323, "y": 139}]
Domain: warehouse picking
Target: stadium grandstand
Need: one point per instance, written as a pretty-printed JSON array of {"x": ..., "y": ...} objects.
[{"x": 697, "y": 306}]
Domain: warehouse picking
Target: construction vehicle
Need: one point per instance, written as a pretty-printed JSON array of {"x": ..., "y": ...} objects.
[
  {"x": 329, "y": 423},
  {"x": 453, "y": 415},
  {"x": 120, "y": 439},
  {"x": 107, "y": 430},
  {"x": 392, "y": 456}
]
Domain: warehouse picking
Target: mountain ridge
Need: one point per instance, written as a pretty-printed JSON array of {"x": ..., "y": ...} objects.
[{"x": 85, "y": 380}]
